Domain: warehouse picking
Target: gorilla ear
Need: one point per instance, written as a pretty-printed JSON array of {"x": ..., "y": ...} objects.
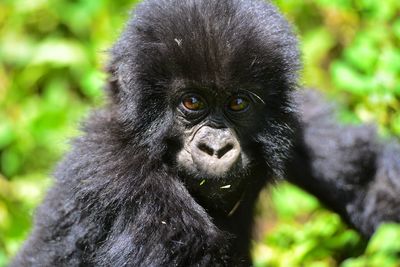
[{"x": 112, "y": 87}]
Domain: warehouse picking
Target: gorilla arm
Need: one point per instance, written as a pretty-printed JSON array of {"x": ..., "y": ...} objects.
[{"x": 346, "y": 167}]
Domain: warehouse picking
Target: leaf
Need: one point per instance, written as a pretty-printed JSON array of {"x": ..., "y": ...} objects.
[
  {"x": 386, "y": 239},
  {"x": 60, "y": 52},
  {"x": 349, "y": 80},
  {"x": 7, "y": 134},
  {"x": 363, "y": 53}
]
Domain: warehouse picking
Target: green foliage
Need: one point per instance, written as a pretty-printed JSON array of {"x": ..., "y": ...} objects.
[
  {"x": 51, "y": 58},
  {"x": 304, "y": 234},
  {"x": 383, "y": 250}
]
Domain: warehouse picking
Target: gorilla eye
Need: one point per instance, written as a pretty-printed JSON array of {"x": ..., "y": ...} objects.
[
  {"x": 192, "y": 102},
  {"x": 238, "y": 103}
]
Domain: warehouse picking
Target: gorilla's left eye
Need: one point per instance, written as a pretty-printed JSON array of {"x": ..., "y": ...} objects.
[{"x": 238, "y": 103}]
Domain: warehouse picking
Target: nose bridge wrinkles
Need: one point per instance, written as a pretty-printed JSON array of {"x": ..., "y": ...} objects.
[{"x": 217, "y": 123}]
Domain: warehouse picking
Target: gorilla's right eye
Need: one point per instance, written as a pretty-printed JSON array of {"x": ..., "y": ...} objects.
[{"x": 193, "y": 102}]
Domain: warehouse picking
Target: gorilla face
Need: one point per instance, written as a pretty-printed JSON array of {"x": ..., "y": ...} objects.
[
  {"x": 212, "y": 146},
  {"x": 208, "y": 87}
]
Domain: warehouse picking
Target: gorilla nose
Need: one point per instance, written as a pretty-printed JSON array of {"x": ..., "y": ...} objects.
[{"x": 215, "y": 151}]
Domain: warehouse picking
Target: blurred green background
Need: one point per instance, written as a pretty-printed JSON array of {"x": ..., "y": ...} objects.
[{"x": 51, "y": 59}]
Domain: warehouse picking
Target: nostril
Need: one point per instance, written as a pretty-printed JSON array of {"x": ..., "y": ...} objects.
[
  {"x": 224, "y": 150},
  {"x": 203, "y": 147}
]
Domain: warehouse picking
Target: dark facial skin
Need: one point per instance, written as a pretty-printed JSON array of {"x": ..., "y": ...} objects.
[{"x": 212, "y": 147}]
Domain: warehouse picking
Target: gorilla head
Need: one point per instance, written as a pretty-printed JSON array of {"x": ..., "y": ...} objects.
[{"x": 207, "y": 85}]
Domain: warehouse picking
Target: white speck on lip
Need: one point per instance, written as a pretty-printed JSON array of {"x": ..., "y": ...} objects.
[{"x": 163, "y": 222}]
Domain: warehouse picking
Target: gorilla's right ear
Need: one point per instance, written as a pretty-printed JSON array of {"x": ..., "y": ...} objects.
[{"x": 112, "y": 87}]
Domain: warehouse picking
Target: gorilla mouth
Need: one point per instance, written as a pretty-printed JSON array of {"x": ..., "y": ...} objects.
[
  {"x": 216, "y": 163},
  {"x": 213, "y": 169}
]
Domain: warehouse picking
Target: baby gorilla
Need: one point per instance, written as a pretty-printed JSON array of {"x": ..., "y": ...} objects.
[{"x": 200, "y": 117}]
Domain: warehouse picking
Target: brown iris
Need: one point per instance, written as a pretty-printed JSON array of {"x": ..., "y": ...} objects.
[
  {"x": 238, "y": 104},
  {"x": 193, "y": 103}
]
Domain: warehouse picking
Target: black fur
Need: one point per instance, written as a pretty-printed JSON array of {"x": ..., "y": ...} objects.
[{"x": 119, "y": 198}]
